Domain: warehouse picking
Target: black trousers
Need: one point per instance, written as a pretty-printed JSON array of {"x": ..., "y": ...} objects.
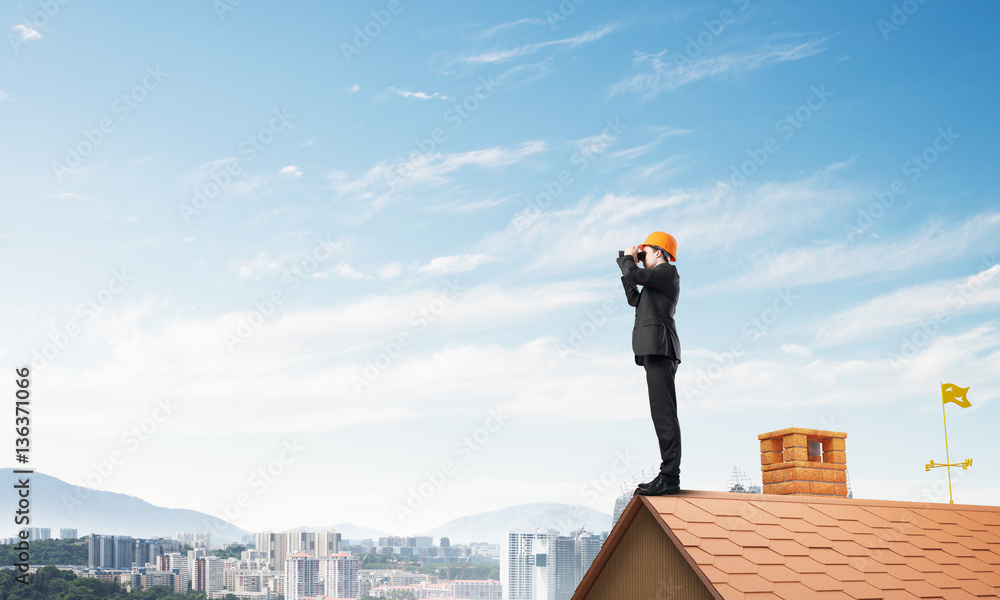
[{"x": 660, "y": 372}]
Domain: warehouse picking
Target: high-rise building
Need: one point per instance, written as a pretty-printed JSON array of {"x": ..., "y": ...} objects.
[
  {"x": 565, "y": 560},
  {"x": 177, "y": 563},
  {"x": 302, "y": 541},
  {"x": 147, "y": 552},
  {"x": 327, "y": 543},
  {"x": 67, "y": 534},
  {"x": 109, "y": 551},
  {"x": 590, "y": 545},
  {"x": 275, "y": 544},
  {"x": 525, "y": 570},
  {"x": 339, "y": 573},
  {"x": 208, "y": 575},
  {"x": 192, "y": 562},
  {"x": 39, "y": 533},
  {"x": 302, "y": 576}
]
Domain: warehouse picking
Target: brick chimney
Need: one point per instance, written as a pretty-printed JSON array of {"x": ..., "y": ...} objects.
[{"x": 804, "y": 462}]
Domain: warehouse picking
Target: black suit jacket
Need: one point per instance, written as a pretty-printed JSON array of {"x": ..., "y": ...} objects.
[{"x": 654, "y": 331}]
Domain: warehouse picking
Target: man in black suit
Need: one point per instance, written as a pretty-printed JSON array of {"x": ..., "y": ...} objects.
[{"x": 656, "y": 346}]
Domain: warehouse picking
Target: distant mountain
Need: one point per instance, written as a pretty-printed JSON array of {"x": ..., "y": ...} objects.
[
  {"x": 493, "y": 526},
  {"x": 57, "y": 504}
]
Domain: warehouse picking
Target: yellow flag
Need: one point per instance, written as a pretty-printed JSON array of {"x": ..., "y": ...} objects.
[{"x": 952, "y": 393}]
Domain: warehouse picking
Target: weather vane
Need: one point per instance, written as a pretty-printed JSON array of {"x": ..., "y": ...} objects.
[{"x": 951, "y": 393}]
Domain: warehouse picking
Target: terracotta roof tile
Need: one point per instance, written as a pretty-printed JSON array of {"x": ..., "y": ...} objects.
[
  {"x": 700, "y": 555},
  {"x": 735, "y": 565},
  {"x": 736, "y": 524},
  {"x": 827, "y": 556},
  {"x": 845, "y": 573},
  {"x": 686, "y": 537},
  {"x": 729, "y": 592},
  {"x": 821, "y": 582},
  {"x": 804, "y": 565},
  {"x": 792, "y": 591},
  {"x": 905, "y": 573},
  {"x": 884, "y": 581},
  {"x": 861, "y": 589},
  {"x": 779, "y": 574},
  {"x": 798, "y": 525},
  {"x": 715, "y": 575},
  {"x": 707, "y": 530},
  {"x": 774, "y": 532},
  {"x": 788, "y": 547},
  {"x": 962, "y": 551},
  {"x": 751, "y": 582},
  {"x": 721, "y": 548},
  {"x": 763, "y": 556},
  {"x": 749, "y": 539}
]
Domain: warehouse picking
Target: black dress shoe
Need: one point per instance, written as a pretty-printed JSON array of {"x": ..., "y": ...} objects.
[
  {"x": 649, "y": 483},
  {"x": 660, "y": 488}
]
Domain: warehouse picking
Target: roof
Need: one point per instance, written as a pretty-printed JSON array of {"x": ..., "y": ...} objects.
[{"x": 765, "y": 546}]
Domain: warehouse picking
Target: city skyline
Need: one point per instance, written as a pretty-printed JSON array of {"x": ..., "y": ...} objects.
[{"x": 316, "y": 263}]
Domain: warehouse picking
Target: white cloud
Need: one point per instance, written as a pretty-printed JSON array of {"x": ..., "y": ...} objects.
[
  {"x": 348, "y": 272},
  {"x": 931, "y": 304},
  {"x": 3, "y": 95},
  {"x": 418, "y": 95},
  {"x": 796, "y": 350},
  {"x": 667, "y": 73},
  {"x": 493, "y": 30},
  {"x": 26, "y": 33},
  {"x": 842, "y": 260},
  {"x": 291, "y": 171},
  {"x": 383, "y": 182},
  {"x": 66, "y": 196},
  {"x": 390, "y": 271},
  {"x": 354, "y": 89},
  {"x": 588, "y": 229},
  {"x": 461, "y": 263},
  {"x": 496, "y": 56}
]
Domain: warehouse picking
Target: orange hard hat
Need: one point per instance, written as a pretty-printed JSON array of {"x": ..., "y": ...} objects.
[{"x": 663, "y": 240}]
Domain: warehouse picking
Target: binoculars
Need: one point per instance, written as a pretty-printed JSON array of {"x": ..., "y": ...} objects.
[{"x": 640, "y": 256}]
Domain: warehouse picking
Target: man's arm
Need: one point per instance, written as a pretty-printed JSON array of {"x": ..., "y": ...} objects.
[
  {"x": 657, "y": 279},
  {"x": 631, "y": 292}
]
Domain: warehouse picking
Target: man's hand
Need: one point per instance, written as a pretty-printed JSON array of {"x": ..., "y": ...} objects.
[{"x": 634, "y": 251}]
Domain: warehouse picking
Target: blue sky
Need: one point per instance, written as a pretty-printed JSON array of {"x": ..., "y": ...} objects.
[{"x": 384, "y": 235}]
